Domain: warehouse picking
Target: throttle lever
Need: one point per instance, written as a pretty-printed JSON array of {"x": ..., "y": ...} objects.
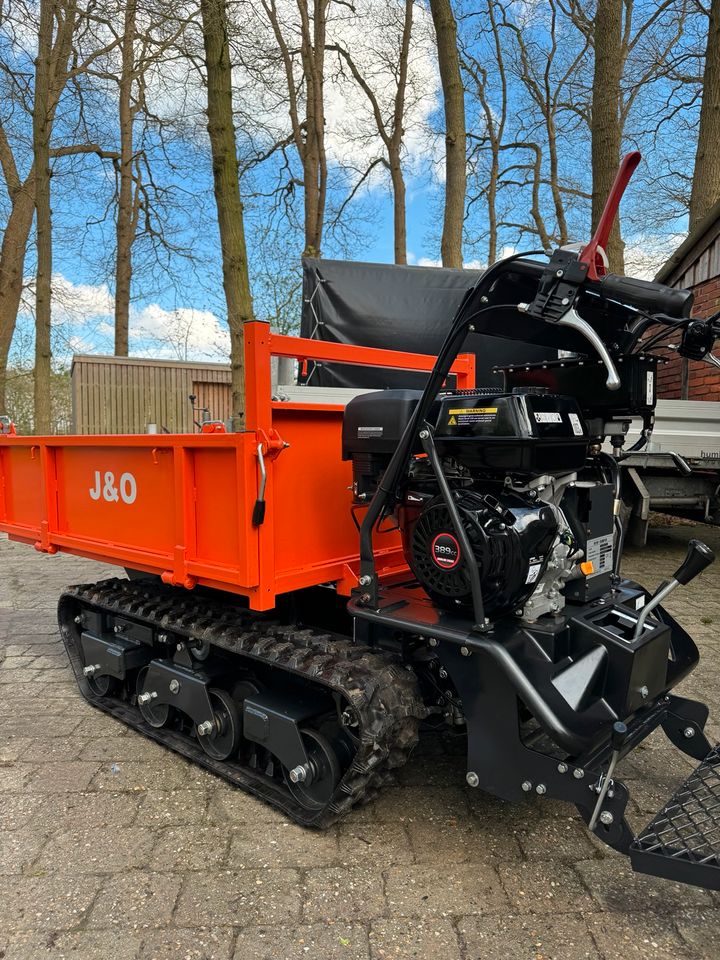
[{"x": 698, "y": 557}]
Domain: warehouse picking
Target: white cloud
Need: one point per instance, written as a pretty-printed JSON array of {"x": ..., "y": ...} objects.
[
  {"x": 82, "y": 316},
  {"x": 186, "y": 333}
]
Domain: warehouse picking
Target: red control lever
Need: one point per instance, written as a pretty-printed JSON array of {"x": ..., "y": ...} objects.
[{"x": 591, "y": 254}]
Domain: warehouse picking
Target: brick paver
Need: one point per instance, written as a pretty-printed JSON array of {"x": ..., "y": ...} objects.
[{"x": 111, "y": 847}]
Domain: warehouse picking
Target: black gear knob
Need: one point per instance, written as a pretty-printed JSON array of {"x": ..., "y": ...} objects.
[{"x": 699, "y": 556}]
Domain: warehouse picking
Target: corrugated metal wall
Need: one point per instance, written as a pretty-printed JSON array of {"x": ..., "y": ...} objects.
[{"x": 124, "y": 395}]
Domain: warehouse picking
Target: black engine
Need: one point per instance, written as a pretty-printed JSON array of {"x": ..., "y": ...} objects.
[
  {"x": 511, "y": 538},
  {"x": 493, "y": 446}
]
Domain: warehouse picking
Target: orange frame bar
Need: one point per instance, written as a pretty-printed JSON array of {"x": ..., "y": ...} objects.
[{"x": 304, "y": 349}]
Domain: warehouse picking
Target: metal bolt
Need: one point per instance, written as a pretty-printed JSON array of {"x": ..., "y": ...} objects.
[
  {"x": 365, "y": 598},
  {"x": 163, "y": 637},
  {"x": 433, "y": 641},
  {"x": 471, "y": 328},
  {"x": 205, "y": 728},
  {"x": 365, "y": 580},
  {"x": 606, "y": 818},
  {"x": 146, "y": 697},
  {"x": 484, "y": 300},
  {"x": 424, "y": 434},
  {"x": 91, "y": 670},
  {"x": 472, "y": 778},
  {"x": 565, "y": 301},
  {"x": 644, "y": 692},
  {"x": 180, "y": 647},
  {"x": 118, "y": 628},
  {"x": 299, "y": 774},
  {"x": 689, "y": 733},
  {"x": 541, "y": 789},
  {"x": 527, "y": 786},
  {"x": 174, "y": 686},
  {"x": 562, "y": 768},
  {"x": 579, "y": 773},
  {"x": 443, "y": 673},
  {"x": 349, "y": 718},
  {"x": 464, "y": 652},
  {"x": 559, "y": 273},
  {"x": 78, "y": 619}
]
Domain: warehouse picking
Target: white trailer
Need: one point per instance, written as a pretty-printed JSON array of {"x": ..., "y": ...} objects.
[{"x": 678, "y": 472}]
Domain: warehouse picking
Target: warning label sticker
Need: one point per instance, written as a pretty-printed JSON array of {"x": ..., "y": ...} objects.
[
  {"x": 600, "y": 553},
  {"x": 550, "y": 416},
  {"x": 464, "y": 415}
]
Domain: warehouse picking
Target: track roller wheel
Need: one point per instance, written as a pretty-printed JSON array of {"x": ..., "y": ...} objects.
[
  {"x": 222, "y": 741},
  {"x": 102, "y": 686},
  {"x": 156, "y": 714},
  {"x": 314, "y": 783}
]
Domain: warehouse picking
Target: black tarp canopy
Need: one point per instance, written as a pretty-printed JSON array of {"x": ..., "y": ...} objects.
[{"x": 397, "y": 308}]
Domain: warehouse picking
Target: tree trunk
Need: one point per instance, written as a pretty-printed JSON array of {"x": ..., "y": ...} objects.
[
  {"x": 127, "y": 206},
  {"x": 41, "y": 157},
  {"x": 606, "y": 132},
  {"x": 400, "y": 227},
  {"x": 492, "y": 205},
  {"x": 455, "y": 158},
  {"x": 236, "y": 282},
  {"x": 12, "y": 270},
  {"x": 706, "y": 178},
  {"x": 313, "y": 156}
]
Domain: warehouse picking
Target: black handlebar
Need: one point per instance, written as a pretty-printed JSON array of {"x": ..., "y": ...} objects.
[{"x": 645, "y": 295}]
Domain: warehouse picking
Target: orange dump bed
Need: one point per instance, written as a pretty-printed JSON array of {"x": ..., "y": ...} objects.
[{"x": 181, "y": 505}]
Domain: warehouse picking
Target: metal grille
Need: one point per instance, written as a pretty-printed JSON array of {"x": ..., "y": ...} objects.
[{"x": 688, "y": 827}]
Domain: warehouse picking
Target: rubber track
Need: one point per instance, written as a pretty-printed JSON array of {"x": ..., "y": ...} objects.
[{"x": 383, "y": 693}]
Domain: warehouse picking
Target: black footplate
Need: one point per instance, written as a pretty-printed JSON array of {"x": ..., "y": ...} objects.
[{"x": 682, "y": 843}]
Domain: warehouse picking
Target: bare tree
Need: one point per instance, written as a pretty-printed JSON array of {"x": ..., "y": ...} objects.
[
  {"x": 305, "y": 40},
  {"x": 455, "y": 146},
  {"x": 128, "y": 204},
  {"x": 148, "y": 34},
  {"x": 606, "y": 130},
  {"x": 236, "y": 282},
  {"x": 43, "y": 222},
  {"x": 706, "y": 178},
  {"x": 390, "y": 123},
  {"x": 54, "y": 67}
]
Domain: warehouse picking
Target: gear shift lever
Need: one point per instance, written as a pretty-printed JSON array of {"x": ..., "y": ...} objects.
[{"x": 698, "y": 557}]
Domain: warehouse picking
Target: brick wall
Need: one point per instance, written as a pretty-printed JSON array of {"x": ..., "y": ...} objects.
[{"x": 703, "y": 380}]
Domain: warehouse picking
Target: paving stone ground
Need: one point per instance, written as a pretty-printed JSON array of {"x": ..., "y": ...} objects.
[{"x": 113, "y": 849}]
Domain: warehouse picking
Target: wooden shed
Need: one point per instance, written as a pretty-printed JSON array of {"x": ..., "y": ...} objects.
[
  {"x": 128, "y": 394},
  {"x": 695, "y": 266}
]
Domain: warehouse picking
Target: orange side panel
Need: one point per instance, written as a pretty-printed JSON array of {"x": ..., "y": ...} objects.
[
  {"x": 313, "y": 525},
  {"x": 97, "y": 499},
  {"x": 22, "y": 487},
  {"x": 218, "y": 492},
  {"x": 179, "y": 506}
]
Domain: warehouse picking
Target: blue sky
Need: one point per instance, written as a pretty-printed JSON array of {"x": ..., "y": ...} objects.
[{"x": 178, "y": 304}]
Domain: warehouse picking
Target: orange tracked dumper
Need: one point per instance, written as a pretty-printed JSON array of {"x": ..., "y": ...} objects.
[{"x": 301, "y": 596}]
